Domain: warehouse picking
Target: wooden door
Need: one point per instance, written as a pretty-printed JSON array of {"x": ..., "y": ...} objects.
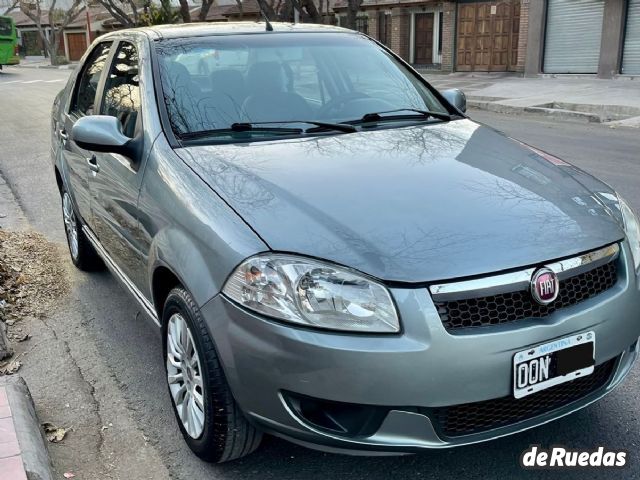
[
  {"x": 77, "y": 43},
  {"x": 423, "y": 39},
  {"x": 487, "y": 39}
]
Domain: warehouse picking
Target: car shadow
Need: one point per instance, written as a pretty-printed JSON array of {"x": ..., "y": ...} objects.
[
  {"x": 496, "y": 459},
  {"x": 612, "y": 422}
]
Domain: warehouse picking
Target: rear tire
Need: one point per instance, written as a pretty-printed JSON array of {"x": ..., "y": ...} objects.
[
  {"x": 83, "y": 255},
  {"x": 216, "y": 429}
]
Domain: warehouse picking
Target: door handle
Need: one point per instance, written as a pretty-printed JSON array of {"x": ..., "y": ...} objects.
[{"x": 92, "y": 161}]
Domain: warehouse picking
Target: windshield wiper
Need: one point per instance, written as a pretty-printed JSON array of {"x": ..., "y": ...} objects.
[
  {"x": 266, "y": 127},
  {"x": 239, "y": 128},
  {"x": 378, "y": 116},
  {"x": 340, "y": 127}
]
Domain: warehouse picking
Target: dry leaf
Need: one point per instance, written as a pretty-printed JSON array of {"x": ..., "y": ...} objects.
[
  {"x": 9, "y": 368},
  {"x": 54, "y": 434}
]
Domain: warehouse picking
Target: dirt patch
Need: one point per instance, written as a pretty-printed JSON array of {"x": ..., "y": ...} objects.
[{"x": 32, "y": 276}]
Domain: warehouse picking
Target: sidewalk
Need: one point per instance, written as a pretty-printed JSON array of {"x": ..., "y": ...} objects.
[
  {"x": 42, "y": 62},
  {"x": 23, "y": 454},
  {"x": 615, "y": 101}
]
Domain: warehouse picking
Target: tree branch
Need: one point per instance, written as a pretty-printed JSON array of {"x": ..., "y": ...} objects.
[
  {"x": 11, "y": 6},
  {"x": 118, "y": 13}
]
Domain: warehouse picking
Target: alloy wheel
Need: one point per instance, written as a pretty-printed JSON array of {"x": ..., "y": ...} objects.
[
  {"x": 184, "y": 375},
  {"x": 70, "y": 224}
]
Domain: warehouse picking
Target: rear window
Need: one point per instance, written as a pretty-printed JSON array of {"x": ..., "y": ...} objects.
[{"x": 6, "y": 27}]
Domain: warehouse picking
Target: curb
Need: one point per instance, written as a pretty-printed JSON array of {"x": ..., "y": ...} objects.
[
  {"x": 23, "y": 453},
  {"x": 558, "y": 113}
]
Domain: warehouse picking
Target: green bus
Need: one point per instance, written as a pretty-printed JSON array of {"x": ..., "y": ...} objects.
[{"x": 8, "y": 42}]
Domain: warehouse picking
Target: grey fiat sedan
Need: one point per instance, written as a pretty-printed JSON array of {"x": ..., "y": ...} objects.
[{"x": 332, "y": 251}]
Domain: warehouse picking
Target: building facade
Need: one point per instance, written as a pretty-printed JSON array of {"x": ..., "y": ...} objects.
[
  {"x": 584, "y": 37},
  {"x": 533, "y": 37},
  {"x": 488, "y": 36},
  {"x": 528, "y": 36}
]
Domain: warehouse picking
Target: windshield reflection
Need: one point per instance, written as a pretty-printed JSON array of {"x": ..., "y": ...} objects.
[{"x": 211, "y": 83}]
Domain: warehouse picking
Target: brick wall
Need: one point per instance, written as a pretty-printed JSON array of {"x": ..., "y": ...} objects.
[
  {"x": 400, "y": 25},
  {"x": 448, "y": 35},
  {"x": 523, "y": 34},
  {"x": 373, "y": 24}
]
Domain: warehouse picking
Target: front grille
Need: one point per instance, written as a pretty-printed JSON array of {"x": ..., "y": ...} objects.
[
  {"x": 513, "y": 306},
  {"x": 478, "y": 417}
]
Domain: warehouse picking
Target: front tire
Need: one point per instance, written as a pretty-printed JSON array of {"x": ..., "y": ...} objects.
[
  {"x": 209, "y": 418},
  {"x": 83, "y": 255}
]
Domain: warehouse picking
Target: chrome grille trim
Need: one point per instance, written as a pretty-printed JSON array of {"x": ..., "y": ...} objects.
[{"x": 520, "y": 280}]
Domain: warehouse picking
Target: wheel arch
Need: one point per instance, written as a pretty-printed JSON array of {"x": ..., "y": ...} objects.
[
  {"x": 163, "y": 280},
  {"x": 175, "y": 259}
]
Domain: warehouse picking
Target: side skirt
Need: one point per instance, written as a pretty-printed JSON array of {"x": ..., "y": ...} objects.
[{"x": 146, "y": 305}]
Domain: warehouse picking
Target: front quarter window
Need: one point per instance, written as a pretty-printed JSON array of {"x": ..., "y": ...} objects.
[
  {"x": 121, "y": 98},
  {"x": 87, "y": 85}
]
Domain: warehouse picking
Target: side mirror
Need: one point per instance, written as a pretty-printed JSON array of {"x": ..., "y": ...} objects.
[
  {"x": 102, "y": 133},
  {"x": 456, "y": 97}
]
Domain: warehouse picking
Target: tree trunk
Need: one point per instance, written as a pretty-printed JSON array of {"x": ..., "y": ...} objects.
[
  {"x": 51, "y": 45},
  {"x": 312, "y": 10},
  {"x": 204, "y": 10},
  {"x": 267, "y": 9},
  {"x": 353, "y": 7},
  {"x": 184, "y": 11}
]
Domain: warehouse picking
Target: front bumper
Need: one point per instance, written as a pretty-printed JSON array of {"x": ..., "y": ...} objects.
[
  {"x": 12, "y": 60},
  {"x": 420, "y": 370}
]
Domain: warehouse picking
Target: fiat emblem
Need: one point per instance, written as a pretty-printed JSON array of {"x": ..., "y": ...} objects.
[{"x": 544, "y": 286}]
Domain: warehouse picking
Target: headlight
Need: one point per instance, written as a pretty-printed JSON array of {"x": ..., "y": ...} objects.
[
  {"x": 632, "y": 229},
  {"x": 312, "y": 293}
]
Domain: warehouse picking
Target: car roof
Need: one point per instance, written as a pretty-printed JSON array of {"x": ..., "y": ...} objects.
[{"x": 183, "y": 30}]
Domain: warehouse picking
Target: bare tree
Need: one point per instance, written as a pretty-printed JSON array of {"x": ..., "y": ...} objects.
[
  {"x": 58, "y": 19},
  {"x": 126, "y": 12},
  {"x": 283, "y": 10},
  {"x": 353, "y": 7},
  {"x": 206, "y": 5},
  {"x": 185, "y": 12},
  {"x": 7, "y": 6}
]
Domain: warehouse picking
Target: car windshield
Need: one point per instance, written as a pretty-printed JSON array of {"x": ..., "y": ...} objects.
[
  {"x": 209, "y": 84},
  {"x": 6, "y": 28}
]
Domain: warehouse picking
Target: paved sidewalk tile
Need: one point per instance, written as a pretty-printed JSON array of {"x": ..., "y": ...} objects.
[
  {"x": 9, "y": 449},
  {"x": 11, "y": 466},
  {"x": 11, "y": 469},
  {"x": 7, "y": 432}
]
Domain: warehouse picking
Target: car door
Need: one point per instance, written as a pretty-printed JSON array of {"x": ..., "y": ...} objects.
[
  {"x": 82, "y": 102},
  {"x": 115, "y": 180}
]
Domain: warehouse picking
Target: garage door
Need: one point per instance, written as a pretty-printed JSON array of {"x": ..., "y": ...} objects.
[
  {"x": 77, "y": 45},
  {"x": 631, "y": 55},
  {"x": 573, "y": 34},
  {"x": 487, "y": 36}
]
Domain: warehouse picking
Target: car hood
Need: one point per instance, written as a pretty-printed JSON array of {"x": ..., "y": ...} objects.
[{"x": 413, "y": 204}]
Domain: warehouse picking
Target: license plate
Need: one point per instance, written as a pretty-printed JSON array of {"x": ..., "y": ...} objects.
[{"x": 553, "y": 363}]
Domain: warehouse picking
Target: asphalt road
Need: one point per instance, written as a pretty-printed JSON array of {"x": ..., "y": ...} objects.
[{"x": 129, "y": 350}]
